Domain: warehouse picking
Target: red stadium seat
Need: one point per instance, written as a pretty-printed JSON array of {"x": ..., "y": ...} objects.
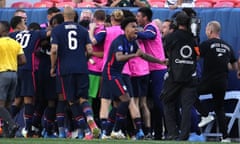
[
  {"x": 86, "y": 4},
  {"x": 237, "y": 5},
  {"x": 233, "y": 1},
  {"x": 210, "y": 1},
  {"x": 203, "y": 4},
  {"x": 21, "y": 5},
  {"x": 46, "y": 4},
  {"x": 157, "y": 4},
  {"x": 64, "y": 4},
  {"x": 223, "y": 4},
  {"x": 156, "y": 1}
]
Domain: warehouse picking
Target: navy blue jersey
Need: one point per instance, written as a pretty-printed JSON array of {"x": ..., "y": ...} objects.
[
  {"x": 29, "y": 41},
  {"x": 113, "y": 68},
  {"x": 71, "y": 39}
]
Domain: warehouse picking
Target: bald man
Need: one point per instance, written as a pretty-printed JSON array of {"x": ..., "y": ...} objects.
[{"x": 69, "y": 43}]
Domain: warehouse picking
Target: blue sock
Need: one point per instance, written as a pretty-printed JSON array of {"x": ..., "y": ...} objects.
[
  {"x": 111, "y": 120},
  {"x": 60, "y": 113},
  {"x": 87, "y": 109},
  {"x": 50, "y": 117},
  {"x": 121, "y": 115},
  {"x": 138, "y": 123},
  {"x": 28, "y": 114}
]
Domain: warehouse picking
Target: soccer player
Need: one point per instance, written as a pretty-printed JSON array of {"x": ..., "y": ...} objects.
[
  {"x": 68, "y": 45},
  {"x": 26, "y": 82},
  {"x": 122, "y": 49},
  {"x": 97, "y": 33},
  {"x": 153, "y": 45}
]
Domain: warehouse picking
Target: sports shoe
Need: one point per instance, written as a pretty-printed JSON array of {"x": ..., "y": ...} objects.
[
  {"x": 205, "y": 120},
  {"x": 94, "y": 128},
  {"x": 88, "y": 136},
  {"x": 149, "y": 136},
  {"x": 73, "y": 134},
  {"x": 24, "y": 133},
  {"x": 117, "y": 135},
  {"x": 226, "y": 140},
  {"x": 140, "y": 135},
  {"x": 12, "y": 130},
  {"x": 80, "y": 134},
  {"x": 105, "y": 137},
  {"x": 196, "y": 138},
  {"x": 47, "y": 135}
]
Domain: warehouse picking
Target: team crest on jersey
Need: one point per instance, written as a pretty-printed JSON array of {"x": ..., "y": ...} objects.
[
  {"x": 120, "y": 47},
  {"x": 131, "y": 48},
  {"x": 125, "y": 87}
]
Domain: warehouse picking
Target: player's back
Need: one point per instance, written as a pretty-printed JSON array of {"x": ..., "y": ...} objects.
[
  {"x": 71, "y": 39},
  {"x": 29, "y": 41}
]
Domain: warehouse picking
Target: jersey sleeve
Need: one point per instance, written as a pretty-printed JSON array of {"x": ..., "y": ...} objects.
[
  {"x": 43, "y": 34},
  {"x": 54, "y": 38},
  {"x": 149, "y": 33},
  {"x": 100, "y": 36}
]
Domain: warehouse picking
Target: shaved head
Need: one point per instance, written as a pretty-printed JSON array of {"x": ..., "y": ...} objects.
[{"x": 69, "y": 13}]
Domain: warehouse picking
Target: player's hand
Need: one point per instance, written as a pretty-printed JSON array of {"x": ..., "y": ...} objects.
[
  {"x": 53, "y": 72},
  {"x": 166, "y": 61},
  {"x": 139, "y": 52},
  {"x": 92, "y": 26}
]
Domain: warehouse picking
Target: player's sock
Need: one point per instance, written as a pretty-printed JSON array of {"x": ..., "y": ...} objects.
[
  {"x": 121, "y": 115},
  {"x": 60, "y": 113},
  {"x": 14, "y": 110},
  {"x": 111, "y": 120},
  {"x": 50, "y": 117},
  {"x": 28, "y": 115}
]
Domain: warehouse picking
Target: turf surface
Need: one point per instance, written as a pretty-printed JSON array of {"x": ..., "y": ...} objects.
[{"x": 76, "y": 141}]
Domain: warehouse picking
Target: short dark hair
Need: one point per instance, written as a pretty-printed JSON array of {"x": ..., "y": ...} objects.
[
  {"x": 146, "y": 12},
  {"x": 15, "y": 21},
  {"x": 100, "y": 15},
  {"x": 126, "y": 21},
  {"x": 52, "y": 10},
  {"x": 34, "y": 26},
  {"x": 58, "y": 18},
  {"x": 5, "y": 26},
  {"x": 183, "y": 19},
  {"x": 127, "y": 13},
  {"x": 19, "y": 10}
]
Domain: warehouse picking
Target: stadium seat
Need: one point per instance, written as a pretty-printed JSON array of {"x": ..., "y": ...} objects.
[
  {"x": 64, "y": 4},
  {"x": 203, "y": 5},
  {"x": 210, "y": 1},
  {"x": 157, "y": 4},
  {"x": 86, "y": 4},
  {"x": 223, "y": 4},
  {"x": 46, "y": 4},
  {"x": 233, "y": 1},
  {"x": 237, "y": 5},
  {"x": 21, "y": 5},
  {"x": 156, "y": 1}
]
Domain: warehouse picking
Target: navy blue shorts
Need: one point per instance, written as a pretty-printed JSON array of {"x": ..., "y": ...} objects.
[
  {"x": 140, "y": 85},
  {"x": 58, "y": 85},
  {"x": 112, "y": 89},
  {"x": 74, "y": 86},
  {"x": 46, "y": 87},
  {"x": 127, "y": 81},
  {"x": 25, "y": 83}
]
